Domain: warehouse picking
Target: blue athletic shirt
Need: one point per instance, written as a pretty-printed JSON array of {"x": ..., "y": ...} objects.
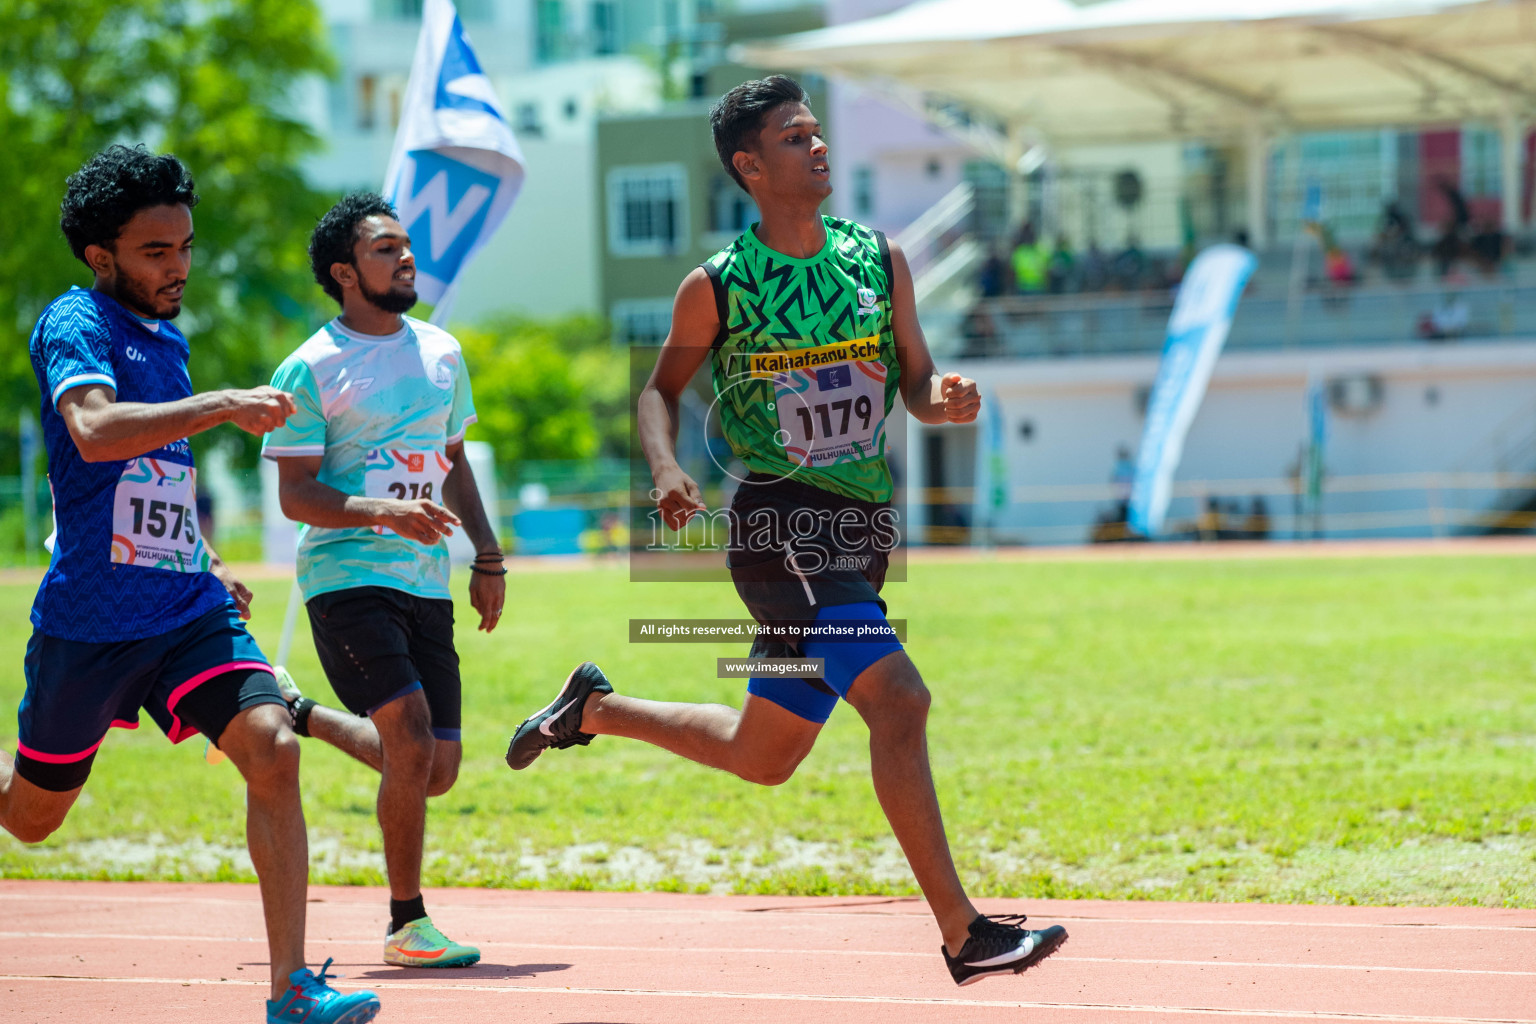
[{"x": 128, "y": 562}]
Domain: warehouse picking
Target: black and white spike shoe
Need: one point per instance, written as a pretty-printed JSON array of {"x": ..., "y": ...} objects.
[
  {"x": 559, "y": 723},
  {"x": 999, "y": 945}
]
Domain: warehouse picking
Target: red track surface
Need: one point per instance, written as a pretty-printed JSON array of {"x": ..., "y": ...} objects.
[{"x": 75, "y": 951}]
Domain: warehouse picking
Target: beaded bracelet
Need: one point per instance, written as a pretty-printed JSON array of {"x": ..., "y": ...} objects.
[{"x": 488, "y": 572}]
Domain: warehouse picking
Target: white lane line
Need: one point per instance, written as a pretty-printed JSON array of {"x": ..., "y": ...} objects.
[
  {"x": 796, "y": 952},
  {"x": 703, "y": 914},
  {"x": 1001, "y": 1004},
  {"x": 1415, "y": 925}
]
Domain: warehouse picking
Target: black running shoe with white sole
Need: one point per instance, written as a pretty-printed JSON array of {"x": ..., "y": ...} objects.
[
  {"x": 998, "y": 945},
  {"x": 559, "y": 724}
]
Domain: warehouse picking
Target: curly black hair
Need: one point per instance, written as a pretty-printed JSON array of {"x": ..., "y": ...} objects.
[
  {"x": 738, "y": 118},
  {"x": 336, "y": 235},
  {"x": 115, "y": 184}
]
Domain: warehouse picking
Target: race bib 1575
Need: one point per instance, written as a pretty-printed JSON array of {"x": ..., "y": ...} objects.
[{"x": 154, "y": 518}]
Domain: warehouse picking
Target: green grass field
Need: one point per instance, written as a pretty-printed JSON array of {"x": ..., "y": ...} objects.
[{"x": 1352, "y": 730}]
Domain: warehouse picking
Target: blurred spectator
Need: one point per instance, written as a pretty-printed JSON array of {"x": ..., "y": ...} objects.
[
  {"x": 1124, "y": 473},
  {"x": 611, "y": 536},
  {"x": 1030, "y": 259},
  {"x": 978, "y": 334},
  {"x": 1112, "y": 526},
  {"x": 1095, "y": 275},
  {"x": 1446, "y": 251},
  {"x": 1338, "y": 267},
  {"x": 1449, "y": 319},
  {"x": 1461, "y": 213},
  {"x": 1208, "y": 526},
  {"x": 1258, "y": 519},
  {"x": 992, "y": 279},
  {"x": 1395, "y": 247},
  {"x": 1129, "y": 266},
  {"x": 1061, "y": 268},
  {"x": 1487, "y": 247},
  {"x": 1234, "y": 524},
  {"x": 1296, "y": 472},
  {"x": 1449, "y": 246}
]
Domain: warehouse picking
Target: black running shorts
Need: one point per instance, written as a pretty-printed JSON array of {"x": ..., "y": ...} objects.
[
  {"x": 796, "y": 549},
  {"x": 378, "y": 644}
]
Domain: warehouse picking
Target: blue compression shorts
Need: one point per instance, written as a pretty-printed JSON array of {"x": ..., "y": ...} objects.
[{"x": 845, "y": 659}]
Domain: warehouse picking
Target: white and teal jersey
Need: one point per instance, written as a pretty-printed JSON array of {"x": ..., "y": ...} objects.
[{"x": 380, "y": 410}]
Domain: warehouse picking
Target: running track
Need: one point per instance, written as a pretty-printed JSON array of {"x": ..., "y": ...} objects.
[{"x": 72, "y": 951}]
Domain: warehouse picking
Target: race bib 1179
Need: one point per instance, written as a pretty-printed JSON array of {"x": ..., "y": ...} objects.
[
  {"x": 829, "y": 411},
  {"x": 154, "y": 518}
]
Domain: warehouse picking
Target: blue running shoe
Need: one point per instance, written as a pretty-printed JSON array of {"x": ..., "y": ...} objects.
[{"x": 309, "y": 1000}]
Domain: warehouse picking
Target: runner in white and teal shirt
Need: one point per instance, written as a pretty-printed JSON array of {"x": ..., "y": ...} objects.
[{"x": 372, "y": 462}]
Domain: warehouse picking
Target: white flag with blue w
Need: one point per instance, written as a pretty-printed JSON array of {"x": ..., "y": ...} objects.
[{"x": 456, "y": 166}]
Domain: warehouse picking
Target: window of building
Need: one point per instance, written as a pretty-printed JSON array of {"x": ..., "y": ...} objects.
[
  {"x": 863, "y": 190},
  {"x": 731, "y": 211},
  {"x": 603, "y": 18},
  {"x": 1348, "y": 172},
  {"x": 647, "y": 210},
  {"x": 525, "y": 120},
  {"x": 396, "y": 98},
  {"x": 367, "y": 102},
  {"x": 548, "y": 31},
  {"x": 572, "y": 108},
  {"x": 642, "y": 321},
  {"x": 397, "y": 8},
  {"x": 1481, "y": 173}
]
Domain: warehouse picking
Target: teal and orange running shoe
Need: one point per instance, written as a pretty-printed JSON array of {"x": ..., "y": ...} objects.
[
  {"x": 420, "y": 944},
  {"x": 309, "y": 1000}
]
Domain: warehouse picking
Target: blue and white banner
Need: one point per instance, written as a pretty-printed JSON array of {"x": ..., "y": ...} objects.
[
  {"x": 456, "y": 166},
  {"x": 1197, "y": 330}
]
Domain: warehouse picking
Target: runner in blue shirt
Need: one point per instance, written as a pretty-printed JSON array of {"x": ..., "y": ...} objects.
[{"x": 135, "y": 610}]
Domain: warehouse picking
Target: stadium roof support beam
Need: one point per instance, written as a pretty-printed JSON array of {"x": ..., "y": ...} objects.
[
  {"x": 1149, "y": 70},
  {"x": 1460, "y": 67},
  {"x": 1256, "y": 154},
  {"x": 1127, "y": 71},
  {"x": 1512, "y": 129}
]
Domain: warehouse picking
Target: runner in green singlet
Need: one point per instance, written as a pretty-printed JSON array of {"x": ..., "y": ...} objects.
[{"x": 810, "y": 329}]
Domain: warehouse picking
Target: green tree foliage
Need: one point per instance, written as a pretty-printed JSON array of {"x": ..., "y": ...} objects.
[
  {"x": 548, "y": 389},
  {"x": 212, "y": 81}
]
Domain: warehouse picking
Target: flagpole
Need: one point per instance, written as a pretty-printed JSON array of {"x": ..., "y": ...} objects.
[{"x": 444, "y": 306}]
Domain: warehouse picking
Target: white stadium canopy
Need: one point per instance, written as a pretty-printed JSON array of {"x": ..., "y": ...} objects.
[{"x": 1142, "y": 70}]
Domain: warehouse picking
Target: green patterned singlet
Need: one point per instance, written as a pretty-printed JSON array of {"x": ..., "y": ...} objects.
[{"x": 804, "y": 367}]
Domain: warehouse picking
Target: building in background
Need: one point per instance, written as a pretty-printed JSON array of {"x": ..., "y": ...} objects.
[
  {"x": 665, "y": 202},
  {"x": 557, "y": 65}
]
